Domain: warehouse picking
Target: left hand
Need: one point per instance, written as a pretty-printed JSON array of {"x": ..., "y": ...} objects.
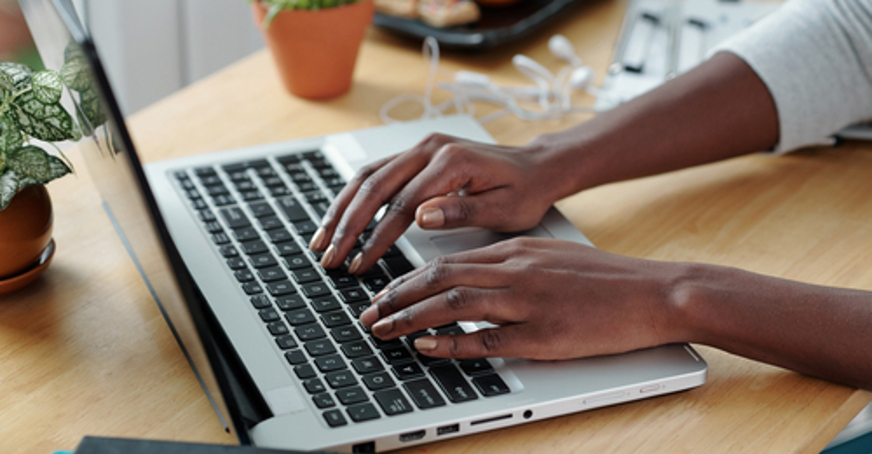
[{"x": 550, "y": 299}]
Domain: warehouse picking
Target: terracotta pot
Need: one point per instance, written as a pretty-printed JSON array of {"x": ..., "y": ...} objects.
[
  {"x": 315, "y": 51},
  {"x": 25, "y": 230}
]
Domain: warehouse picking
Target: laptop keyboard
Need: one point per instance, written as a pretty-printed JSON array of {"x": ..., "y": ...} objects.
[{"x": 261, "y": 215}]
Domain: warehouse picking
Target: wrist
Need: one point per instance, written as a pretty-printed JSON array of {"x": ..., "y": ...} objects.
[
  {"x": 563, "y": 165},
  {"x": 693, "y": 288}
]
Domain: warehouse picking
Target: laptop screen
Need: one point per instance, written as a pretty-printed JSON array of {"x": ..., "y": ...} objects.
[{"x": 107, "y": 148}]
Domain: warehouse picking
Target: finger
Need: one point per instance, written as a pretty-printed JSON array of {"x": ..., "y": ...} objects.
[
  {"x": 486, "y": 209},
  {"x": 492, "y": 305},
  {"x": 505, "y": 342},
  {"x": 331, "y": 218}
]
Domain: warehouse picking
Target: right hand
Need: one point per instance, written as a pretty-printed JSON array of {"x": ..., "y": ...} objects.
[{"x": 442, "y": 183}]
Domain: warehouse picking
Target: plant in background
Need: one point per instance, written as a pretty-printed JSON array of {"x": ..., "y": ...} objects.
[
  {"x": 30, "y": 110},
  {"x": 276, "y": 6}
]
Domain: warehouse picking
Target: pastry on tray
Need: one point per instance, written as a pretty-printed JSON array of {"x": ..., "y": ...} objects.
[{"x": 438, "y": 13}]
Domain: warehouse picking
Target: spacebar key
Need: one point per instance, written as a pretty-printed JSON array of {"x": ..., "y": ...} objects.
[{"x": 452, "y": 382}]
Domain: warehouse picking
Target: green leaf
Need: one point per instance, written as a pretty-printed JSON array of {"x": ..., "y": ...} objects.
[
  {"x": 31, "y": 162},
  {"x": 8, "y": 188},
  {"x": 47, "y": 86},
  {"x": 48, "y": 122},
  {"x": 271, "y": 14},
  {"x": 75, "y": 74},
  {"x": 19, "y": 73},
  {"x": 10, "y": 137},
  {"x": 92, "y": 107},
  {"x": 73, "y": 51},
  {"x": 2, "y": 162},
  {"x": 6, "y": 81}
]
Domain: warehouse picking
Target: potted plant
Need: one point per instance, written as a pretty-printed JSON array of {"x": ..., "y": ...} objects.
[
  {"x": 30, "y": 115},
  {"x": 314, "y": 42}
]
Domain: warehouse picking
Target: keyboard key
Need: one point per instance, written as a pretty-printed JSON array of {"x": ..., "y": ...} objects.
[
  {"x": 300, "y": 317},
  {"x": 254, "y": 247},
  {"x": 278, "y": 328},
  {"x": 289, "y": 159},
  {"x": 424, "y": 394},
  {"x": 393, "y": 402},
  {"x": 223, "y": 200},
  {"x": 358, "y": 307},
  {"x": 450, "y": 331},
  {"x": 217, "y": 189},
  {"x": 340, "y": 278},
  {"x": 315, "y": 290},
  {"x": 362, "y": 412},
  {"x": 204, "y": 172},
  {"x": 286, "y": 342},
  {"x": 325, "y": 304},
  {"x": 407, "y": 371},
  {"x": 279, "y": 236},
  {"x": 260, "y": 301},
  {"x": 244, "y": 185},
  {"x": 296, "y": 262},
  {"x": 295, "y": 357},
  {"x": 228, "y": 251},
  {"x": 323, "y": 400},
  {"x": 244, "y": 275},
  {"x": 305, "y": 275},
  {"x": 304, "y": 371},
  {"x": 397, "y": 266},
  {"x": 309, "y": 332},
  {"x": 290, "y": 302},
  {"x": 278, "y": 191},
  {"x": 491, "y": 385},
  {"x": 344, "y": 334},
  {"x": 476, "y": 366},
  {"x": 270, "y": 223},
  {"x": 353, "y": 295},
  {"x": 330, "y": 363},
  {"x": 356, "y": 349},
  {"x": 271, "y": 274},
  {"x": 280, "y": 288},
  {"x": 220, "y": 238},
  {"x": 304, "y": 227},
  {"x": 334, "y": 319},
  {"x": 352, "y": 395},
  {"x": 199, "y": 204},
  {"x": 235, "y": 217},
  {"x": 273, "y": 180},
  {"x": 314, "y": 386},
  {"x": 263, "y": 260},
  {"x": 236, "y": 263},
  {"x": 394, "y": 355},
  {"x": 260, "y": 209},
  {"x": 379, "y": 380},
  {"x": 269, "y": 315},
  {"x": 340, "y": 379},
  {"x": 292, "y": 209},
  {"x": 376, "y": 284},
  {"x": 246, "y": 234},
  {"x": 453, "y": 384},
  {"x": 251, "y": 288},
  {"x": 366, "y": 365},
  {"x": 431, "y": 361},
  {"x": 320, "y": 347},
  {"x": 248, "y": 196},
  {"x": 213, "y": 227},
  {"x": 305, "y": 186}
]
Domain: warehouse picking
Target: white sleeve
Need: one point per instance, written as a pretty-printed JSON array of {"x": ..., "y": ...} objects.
[{"x": 815, "y": 57}]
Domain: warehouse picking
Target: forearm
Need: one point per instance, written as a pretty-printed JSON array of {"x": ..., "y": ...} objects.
[
  {"x": 819, "y": 331},
  {"x": 719, "y": 110}
]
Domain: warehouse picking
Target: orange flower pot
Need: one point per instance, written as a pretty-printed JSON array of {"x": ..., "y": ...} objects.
[
  {"x": 315, "y": 51},
  {"x": 25, "y": 230}
]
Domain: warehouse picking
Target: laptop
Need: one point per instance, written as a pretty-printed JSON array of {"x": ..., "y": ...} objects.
[{"x": 220, "y": 240}]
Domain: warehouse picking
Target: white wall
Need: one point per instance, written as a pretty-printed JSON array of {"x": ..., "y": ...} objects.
[{"x": 151, "y": 48}]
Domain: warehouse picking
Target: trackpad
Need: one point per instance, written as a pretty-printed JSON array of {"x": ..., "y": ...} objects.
[{"x": 458, "y": 242}]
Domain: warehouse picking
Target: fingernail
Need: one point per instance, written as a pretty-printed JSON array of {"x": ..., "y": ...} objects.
[
  {"x": 318, "y": 239},
  {"x": 425, "y": 343},
  {"x": 355, "y": 263},
  {"x": 432, "y": 217},
  {"x": 382, "y": 327},
  {"x": 328, "y": 256},
  {"x": 369, "y": 316},
  {"x": 379, "y": 295}
]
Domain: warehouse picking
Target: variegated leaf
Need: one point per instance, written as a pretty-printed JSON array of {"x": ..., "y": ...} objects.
[
  {"x": 75, "y": 74},
  {"x": 6, "y": 82},
  {"x": 8, "y": 188},
  {"x": 20, "y": 73},
  {"x": 30, "y": 162},
  {"x": 10, "y": 137},
  {"x": 48, "y": 122},
  {"x": 47, "y": 86}
]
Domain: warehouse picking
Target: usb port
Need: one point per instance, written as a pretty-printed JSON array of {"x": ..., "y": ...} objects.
[
  {"x": 454, "y": 428},
  {"x": 412, "y": 436}
]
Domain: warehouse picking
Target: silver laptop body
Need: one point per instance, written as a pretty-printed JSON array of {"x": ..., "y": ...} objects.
[{"x": 244, "y": 366}]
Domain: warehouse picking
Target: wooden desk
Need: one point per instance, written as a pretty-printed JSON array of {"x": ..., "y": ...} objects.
[{"x": 85, "y": 351}]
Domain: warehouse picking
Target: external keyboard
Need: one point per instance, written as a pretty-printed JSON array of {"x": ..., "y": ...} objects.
[{"x": 260, "y": 215}]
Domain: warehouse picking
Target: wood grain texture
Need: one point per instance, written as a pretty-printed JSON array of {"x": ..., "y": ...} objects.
[{"x": 85, "y": 351}]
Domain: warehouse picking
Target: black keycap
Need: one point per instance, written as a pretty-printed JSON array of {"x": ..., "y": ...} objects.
[
  {"x": 248, "y": 196},
  {"x": 265, "y": 171},
  {"x": 340, "y": 379},
  {"x": 476, "y": 366},
  {"x": 431, "y": 361},
  {"x": 304, "y": 371},
  {"x": 271, "y": 274},
  {"x": 300, "y": 317},
  {"x": 305, "y": 186},
  {"x": 397, "y": 266},
  {"x": 297, "y": 261},
  {"x": 261, "y": 209},
  {"x": 223, "y": 200},
  {"x": 309, "y": 332},
  {"x": 272, "y": 180},
  {"x": 199, "y": 204},
  {"x": 325, "y": 304},
  {"x": 278, "y": 236},
  {"x": 254, "y": 247},
  {"x": 334, "y": 319},
  {"x": 314, "y": 155},
  {"x": 270, "y": 223},
  {"x": 323, "y": 400},
  {"x": 362, "y": 412},
  {"x": 356, "y": 349},
  {"x": 330, "y": 363},
  {"x": 244, "y": 275},
  {"x": 304, "y": 227},
  {"x": 204, "y": 172},
  {"x": 235, "y": 217},
  {"x": 453, "y": 384},
  {"x": 321, "y": 208},
  {"x": 290, "y": 302},
  {"x": 269, "y": 315},
  {"x": 315, "y": 197},
  {"x": 286, "y": 342},
  {"x": 206, "y": 216},
  {"x": 280, "y": 288},
  {"x": 246, "y": 234},
  {"x": 289, "y": 159},
  {"x": 393, "y": 402},
  {"x": 320, "y": 347},
  {"x": 424, "y": 394},
  {"x": 382, "y": 344},
  {"x": 213, "y": 227},
  {"x": 217, "y": 189},
  {"x": 278, "y": 191},
  {"x": 394, "y": 355},
  {"x": 352, "y": 395},
  {"x": 239, "y": 176},
  {"x": 315, "y": 290},
  {"x": 278, "y": 328},
  {"x": 213, "y": 181},
  {"x": 244, "y": 185},
  {"x": 367, "y": 365},
  {"x": 491, "y": 385},
  {"x": 298, "y": 174},
  {"x": 314, "y": 386},
  {"x": 376, "y": 284},
  {"x": 295, "y": 357},
  {"x": 220, "y": 238},
  {"x": 358, "y": 307},
  {"x": 292, "y": 209},
  {"x": 305, "y": 275},
  {"x": 340, "y": 278},
  {"x": 379, "y": 380},
  {"x": 344, "y": 334},
  {"x": 450, "y": 331},
  {"x": 353, "y": 295},
  {"x": 236, "y": 263},
  {"x": 251, "y": 288},
  {"x": 407, "y": 371},
  {"x": 260, "y": 301},
  {"x": 263, "y": 260},
  {"x": 181, "y": 175}
]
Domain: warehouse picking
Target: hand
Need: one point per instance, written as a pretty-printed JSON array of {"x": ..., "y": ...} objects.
[
  {"x": 442, "y": 183},
  {"x": 551, "y": 299}
]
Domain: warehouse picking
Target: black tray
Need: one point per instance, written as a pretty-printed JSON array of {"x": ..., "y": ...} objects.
[{"x": 498, "y": 25}]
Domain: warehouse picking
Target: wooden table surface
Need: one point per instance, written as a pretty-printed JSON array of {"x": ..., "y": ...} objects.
[{"x": 85, "y": 351}]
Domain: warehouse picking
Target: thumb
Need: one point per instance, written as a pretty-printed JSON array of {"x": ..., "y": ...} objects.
[{"x": 448, "y": 212}]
